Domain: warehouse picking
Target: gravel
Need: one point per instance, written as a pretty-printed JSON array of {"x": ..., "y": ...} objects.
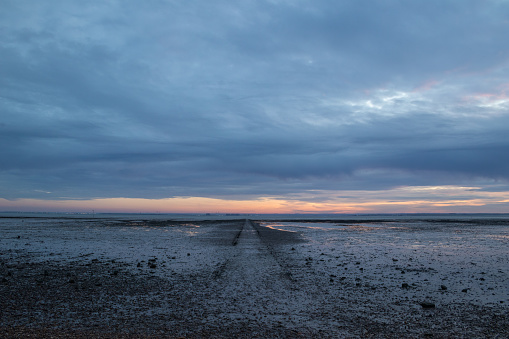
[{"x": 236, "y": 278}]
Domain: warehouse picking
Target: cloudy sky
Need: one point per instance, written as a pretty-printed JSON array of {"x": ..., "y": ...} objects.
[{"x": 254, "y": 105}]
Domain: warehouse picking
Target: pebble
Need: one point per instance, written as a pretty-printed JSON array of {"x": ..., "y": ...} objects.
[{"x": 426, "y": 304}]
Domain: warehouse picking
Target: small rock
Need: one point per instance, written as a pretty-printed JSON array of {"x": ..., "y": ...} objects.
[
  {"x": 443, "y": 287},
  {"x": 394, "y": 259},
  {"x": 405, "y": 285},
  {"x": 426, "y": 304},
  {"x": 465, "y": 290},
  {"x": 139, "y": 264}
]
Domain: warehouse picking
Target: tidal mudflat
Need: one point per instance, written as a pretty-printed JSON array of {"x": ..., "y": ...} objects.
[{"x": 101, "y": 277}]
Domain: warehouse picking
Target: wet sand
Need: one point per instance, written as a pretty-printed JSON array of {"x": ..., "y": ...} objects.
[{"x": 240, "y": 278}]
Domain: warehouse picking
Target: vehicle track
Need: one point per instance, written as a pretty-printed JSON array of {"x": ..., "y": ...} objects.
[{"x": 253, "y": 253}]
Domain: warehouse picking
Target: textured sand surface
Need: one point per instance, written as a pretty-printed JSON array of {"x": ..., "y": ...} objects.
[{"x": 237, "y": 278}]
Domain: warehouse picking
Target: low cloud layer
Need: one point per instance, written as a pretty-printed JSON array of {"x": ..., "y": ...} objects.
[{"x": 251, "y": 99}]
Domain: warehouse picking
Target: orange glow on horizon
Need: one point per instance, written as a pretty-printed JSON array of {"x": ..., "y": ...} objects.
[
  {"x": 405, "y": 199},
  {"x": 370, "y": 203}
]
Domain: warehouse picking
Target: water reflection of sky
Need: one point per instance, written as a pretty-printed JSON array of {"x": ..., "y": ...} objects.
[
  {"x": 330, "y": 226},
  {"x": 189, "y": 229},
  {"x": 296, "y": 226}
]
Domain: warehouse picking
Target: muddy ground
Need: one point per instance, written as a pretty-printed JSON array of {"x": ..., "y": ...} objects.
[{"x": 241, "y": 278}]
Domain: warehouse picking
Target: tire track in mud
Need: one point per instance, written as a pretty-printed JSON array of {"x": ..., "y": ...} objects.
[
  {"x": 271, "y": 238},
  {"x": 252, "y": 239},
  {"x": 255, "y": 284},
  {"x": 300, "y": 269},
  {"x": 236, "y": 238}
]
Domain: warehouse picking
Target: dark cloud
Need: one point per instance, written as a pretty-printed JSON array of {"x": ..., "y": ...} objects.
[{"x": 252, "y": 99}]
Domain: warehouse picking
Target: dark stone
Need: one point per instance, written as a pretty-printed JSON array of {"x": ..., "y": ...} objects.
[
  {"x": 465, "y": 290},
  {"x": 405, "y": 285},
  {"x": 443, "y": 287},
  {"x": 426, "y": 304}
]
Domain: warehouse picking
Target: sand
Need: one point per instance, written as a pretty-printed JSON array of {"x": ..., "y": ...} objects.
[{"x": 67, "y": 277}]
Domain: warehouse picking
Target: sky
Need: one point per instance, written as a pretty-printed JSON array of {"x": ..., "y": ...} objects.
[{"x": 254, "y": 106}]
